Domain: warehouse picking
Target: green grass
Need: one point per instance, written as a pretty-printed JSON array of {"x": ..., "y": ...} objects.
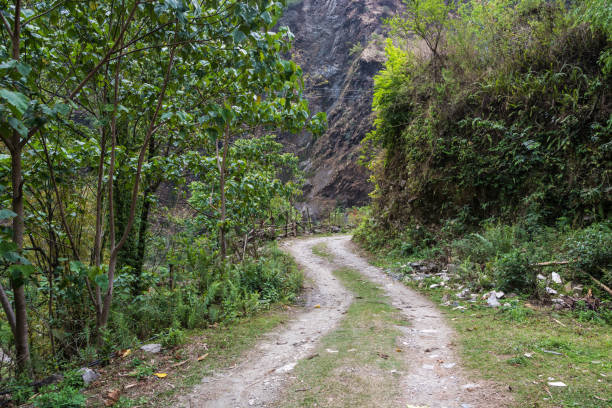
[
  {"x": 223, "y": 346},
  {"x": 357, "y": 375},
  {"x": 509, "y": 347},
  {"x": 493, "y": 343},
  {"x": 323, "y": 251}
]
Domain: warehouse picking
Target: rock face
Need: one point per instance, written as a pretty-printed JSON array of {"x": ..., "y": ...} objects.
[{"x": 339, "y": 45}]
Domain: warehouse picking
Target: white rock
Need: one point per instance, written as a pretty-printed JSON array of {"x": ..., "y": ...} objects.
[
  {"x": 492, "y": 301},
  {"x": 556, "y": 278},
  {"x": 152, "y": 348},
  {"x": 551, "y": 291},
  {"x": 499, "y": 294},
  {"x": 541, "y": 277},
  {"x": 331, "y": 351},
  {"x": 88, "y": 375},
  {"x": 557, "y": 384}
]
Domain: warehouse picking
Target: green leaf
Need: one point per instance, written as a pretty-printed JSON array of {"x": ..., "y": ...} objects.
[
  {"x": 16, "y": 99},
  {"x": 6, "y": 213},
  {"x": 238, "y": 36},
  {"x": 102, "y": 281},
  {"x": 20, "y": 273},
  {"x": 18, "y": 126}
]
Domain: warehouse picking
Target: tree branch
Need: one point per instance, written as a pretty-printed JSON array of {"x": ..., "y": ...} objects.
[{"x": 8, "y": 309}]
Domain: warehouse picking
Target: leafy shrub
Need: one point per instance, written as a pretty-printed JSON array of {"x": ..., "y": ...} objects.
[
  {"x": 493, "y": 241},
  {"x": 66, "y": 394},
  {"x": 173, "y": 337},
  {"x": 591, "y": 248},
  {"x": 514, "y": 272}
]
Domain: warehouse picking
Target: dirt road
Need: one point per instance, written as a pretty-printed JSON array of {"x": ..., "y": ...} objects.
[{"x": 433, "y": 377}]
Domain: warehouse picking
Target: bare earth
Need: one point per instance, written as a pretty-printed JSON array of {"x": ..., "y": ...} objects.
[{"x": 433, "y": 376}]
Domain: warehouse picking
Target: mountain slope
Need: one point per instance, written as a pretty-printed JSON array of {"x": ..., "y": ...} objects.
[{"x": 336, "y": 47}]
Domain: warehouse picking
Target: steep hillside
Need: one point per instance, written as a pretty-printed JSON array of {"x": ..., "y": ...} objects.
[{"x": 335, "y": 46}]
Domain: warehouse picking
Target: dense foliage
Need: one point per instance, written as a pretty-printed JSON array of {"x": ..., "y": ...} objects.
[
  {"x": 492, "y": 147},
  {"x": 108, "y": 110},
  {"x": 506, "y": 114}
]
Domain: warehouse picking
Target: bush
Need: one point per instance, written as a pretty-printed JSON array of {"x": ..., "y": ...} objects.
[
  {"x": 591, "y": 248},
  {"x": 513, "y": 272},
  {"x": 173, "y": 337}
]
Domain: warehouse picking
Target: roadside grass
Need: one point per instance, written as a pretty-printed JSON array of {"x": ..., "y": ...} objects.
[
  {"x": 512, "y": 345},
  {"x": 222, "y": 346},
  {"x": 322, "y": 251},
  {"x": 527, "y": 348},
  {"x": 355, "y": 364}
]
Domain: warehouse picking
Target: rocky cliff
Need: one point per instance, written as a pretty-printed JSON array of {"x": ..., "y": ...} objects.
[{"x": 338, "y": 45}]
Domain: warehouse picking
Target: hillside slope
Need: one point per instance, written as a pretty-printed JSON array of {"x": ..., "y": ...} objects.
[{"x": 339, "y": 82}]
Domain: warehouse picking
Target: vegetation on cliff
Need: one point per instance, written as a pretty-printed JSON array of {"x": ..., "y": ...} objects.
[{"x": 493, "y": 139}]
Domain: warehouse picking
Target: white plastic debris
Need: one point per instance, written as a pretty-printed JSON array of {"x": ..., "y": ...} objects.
[
  {"x": 557, "y": 384},
  {"x": 152, "y": 348}
]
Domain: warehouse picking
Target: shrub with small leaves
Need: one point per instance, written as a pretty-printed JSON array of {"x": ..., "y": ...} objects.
[{"x": 514, "y": 272}]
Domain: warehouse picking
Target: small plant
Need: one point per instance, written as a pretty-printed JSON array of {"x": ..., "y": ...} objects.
[
  {"x": 142, "y": 369},
  {"x": 60, "y": 396},
  {"x": 174, "y": 337},
  {"x": 516, "y": 312}
]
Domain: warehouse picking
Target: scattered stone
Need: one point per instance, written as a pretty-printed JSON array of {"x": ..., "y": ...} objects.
[
  {"x": 428, "y": 366},
  {"x": 153, "y": 348},
  {"x": 463, "y": 294},
  {"x": 459, "y": 308},
  {"x": 557, "y": 384},
  {"x": 88, "y": 375},
  {"x": 551, "y": 291},
  {"x": 435, "y": 285},
  {"x": 331, "y": 351},
  {"x": 466, "y": 406},
  {"x": 492, "y": 301},
  {"x": 541, "y": 277},
  {"x": 528, "y": 355},
  {"x": 556, "y": 278},
  {"x": 499, "y": 294},
  {"x": 449, "y": 365},
  {"x": 286, "y": 368},
  {"x": 470, "y": 387}
]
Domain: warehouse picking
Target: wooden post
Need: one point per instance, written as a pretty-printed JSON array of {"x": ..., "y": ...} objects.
[
  {"x": 309, "y": 222},
  {"x": 287, "y": 225}
]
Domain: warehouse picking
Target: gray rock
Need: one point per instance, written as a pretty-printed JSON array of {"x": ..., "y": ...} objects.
[
  {"x": 556, "y": 278},
  {"x": 152, "y": 348},
  {"x": 492, "y": 301},
  {"x": 551, "y": 291},
  {"x": 88, "y": 375},
  {"x": 464, "y": 294}
]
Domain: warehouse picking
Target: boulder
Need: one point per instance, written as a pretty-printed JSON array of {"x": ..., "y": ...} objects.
[{"x": 88, "y": 375}]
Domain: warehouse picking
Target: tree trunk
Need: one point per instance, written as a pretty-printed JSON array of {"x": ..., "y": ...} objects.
[
  {"x": 222, "y": 169},
  {"x": 20, "y": 306},
  {"x": 21, "y": 317}
]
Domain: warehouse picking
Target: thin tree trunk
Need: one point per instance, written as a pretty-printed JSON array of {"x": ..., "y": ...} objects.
[
  {"x": 21, "y": 317},
  {"x": 102, "y": 319},
  {"x": 20, "y": 331},
  {"x": 222, "y": 170}
]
